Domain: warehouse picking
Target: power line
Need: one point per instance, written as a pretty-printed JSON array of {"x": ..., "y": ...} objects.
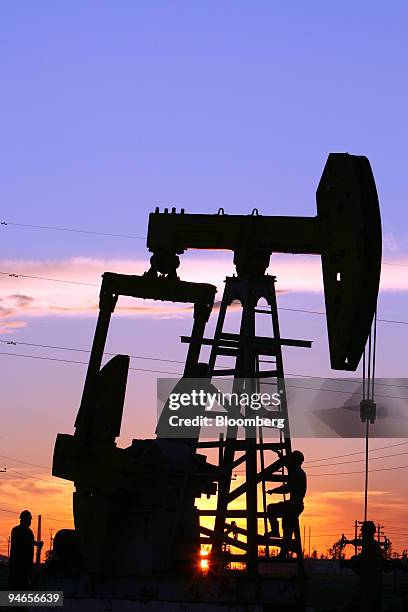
[
  {"x": 398, "y": 467},
  {"x": 60, "y": 280},
  {"x": 82, "y": 231},
  {"x": 43, "y": 515},
  {"x": 317, "y": 312},
  {"x": 177, "y": 361},
  {"x": 9, "y": 511},
  {"x": 342, "y": 380},
  {"x": 322, "y": 312},
  {"x": 70, "y": 229},
  {"x": 78, "y": 350},
  {"x": 235, "y": 471},
  {"x": 383, "y": 262},
  {"x": 31, "y": 477},
  {"x": 64, "y": 516},
  {"x": 358, "y": 460},
  {"x": 335, "y": 391},
  {"x": 65, "y": 348},
  {"x": 54, "y": 280},
  {"x": 329, "y": 535},
  {"x": 46, "y": 467},
  {"x": 177, "y": 373},
  {"x": 344, "y": 392},
  {"x": 372, "y": 450},
  {"x": 83, "y": 363}
]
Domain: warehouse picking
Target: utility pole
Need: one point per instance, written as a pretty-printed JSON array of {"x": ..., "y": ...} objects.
[
  {"x": 304, "y": 539},
  {"x": 355, "y": 536},
  {"x": 38, "y": 554},
  {"x": 310, "y": 529},
  {"x": 51, "y": 540}
]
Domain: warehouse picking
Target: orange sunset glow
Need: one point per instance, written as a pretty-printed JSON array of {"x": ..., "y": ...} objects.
[{"x": 332, "y": 503}]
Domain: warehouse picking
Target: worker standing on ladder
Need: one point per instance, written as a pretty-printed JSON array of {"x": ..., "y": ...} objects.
[{"x": 291, "y": 509}]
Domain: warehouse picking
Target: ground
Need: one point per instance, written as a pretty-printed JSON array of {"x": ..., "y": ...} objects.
[{"x": 329, "y": 592}]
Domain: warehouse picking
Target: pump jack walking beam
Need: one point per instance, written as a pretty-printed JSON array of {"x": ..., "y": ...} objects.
[{"x": 346, "y": 233}]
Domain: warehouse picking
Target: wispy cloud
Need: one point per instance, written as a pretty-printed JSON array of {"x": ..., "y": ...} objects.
[
  {"x": 394, "y": 244},
  {"x": 22, "y": 297}
]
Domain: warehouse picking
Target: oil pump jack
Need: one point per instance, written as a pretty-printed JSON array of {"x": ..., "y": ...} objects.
[{"x": 134, "y": 508}]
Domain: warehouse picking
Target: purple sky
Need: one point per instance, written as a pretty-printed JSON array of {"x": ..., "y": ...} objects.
[{"x": 108, "y": 109}]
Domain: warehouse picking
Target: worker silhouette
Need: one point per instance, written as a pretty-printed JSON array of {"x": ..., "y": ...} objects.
[
  {"x": 369, "y": 566},
  {"x": 233, "y": 528},
  {"x": 22, "y": 553},
  {"x": 289, "y": 511}
]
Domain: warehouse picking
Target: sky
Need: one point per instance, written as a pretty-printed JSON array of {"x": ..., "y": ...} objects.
[{"x": 111, "y": 109}]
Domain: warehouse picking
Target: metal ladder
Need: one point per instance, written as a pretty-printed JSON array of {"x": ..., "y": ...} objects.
[{"x": 249, "y": 350}]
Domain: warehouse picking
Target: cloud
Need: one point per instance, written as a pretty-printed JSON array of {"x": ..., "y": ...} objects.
[
  {"x": 6, "y": 312},
  {"x": 392, "y": 244},
  {"x": 22, "y": 301},
  {"x": 28, "y": 296},
  {"x": 7, "y": 327},
  {"x": 350, "y": 494}
]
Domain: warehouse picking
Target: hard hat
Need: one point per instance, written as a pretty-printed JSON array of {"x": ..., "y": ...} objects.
[
  {"x": 297, "y": 457},
  {"x": 368, "y": 527}
]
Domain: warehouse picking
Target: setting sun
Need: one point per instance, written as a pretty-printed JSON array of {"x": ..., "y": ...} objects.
[{"x": 204, "y": 562}]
